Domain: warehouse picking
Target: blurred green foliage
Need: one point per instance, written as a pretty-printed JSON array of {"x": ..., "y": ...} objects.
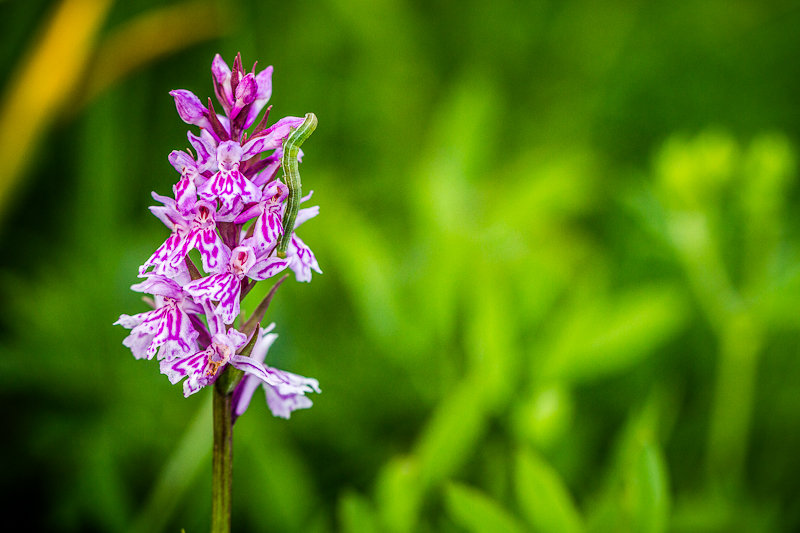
[{"x": 561, "y": 260}]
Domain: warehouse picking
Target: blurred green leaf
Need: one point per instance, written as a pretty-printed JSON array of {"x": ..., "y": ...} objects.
[
  {"x": 356, "y": 514},
  {"x": 636, "y": 493},
  {"x": 478, "y": 513},
  {"x": 178, "y": 473},
  {"x": 370, "y": 279},
  {"x": 544, "y": 417},
  {"x": 768, "y": 168},
  {"x": 452, "y": 432},
  {"x": 650, "y": 491},
  {"x": 279, "y": 487},
  {"x": 543, "y": 498},
  {"x": 399, "y": 495},
  {"x": 694, "y": 171},
  {"x": 605, "y": 335},
  {"x": 490, "y": 341}
]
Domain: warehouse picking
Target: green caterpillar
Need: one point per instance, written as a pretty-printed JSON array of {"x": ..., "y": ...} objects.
[{"x": 291, "y": 147}]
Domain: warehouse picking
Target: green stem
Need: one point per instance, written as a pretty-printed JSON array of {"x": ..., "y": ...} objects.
[
  {"x": 222, "y": 463},
  {"x": 732, "y": 407}
]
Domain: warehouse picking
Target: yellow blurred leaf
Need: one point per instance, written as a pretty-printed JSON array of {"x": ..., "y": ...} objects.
[
  {"x": 149, "y": 37},
  {"x": 43, "y": 81},
  {"x": 61, "y": 60}
]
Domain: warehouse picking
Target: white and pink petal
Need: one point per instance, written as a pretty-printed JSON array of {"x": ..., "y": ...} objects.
[
  {"x": 282, "y": 405},
  {"x": 224, "y": 288},
  {"x": 267, "y": 267},
  {"x": 301, "y": 259}
]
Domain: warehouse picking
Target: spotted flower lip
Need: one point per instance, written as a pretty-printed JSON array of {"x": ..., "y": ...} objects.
[
  {"x": 186, "y": 189},
  {"x": 166, "y": 330},
  {"x": 203, "y": 366},
  {"x": 301, "y": 260},
  {"x": 228, "y": 184},
  {"x": 224, "y": 287},
  {"x": 227, "y": 207},
  {"x": 193, "y": 227},
  {"x": 268, "y": 226}
]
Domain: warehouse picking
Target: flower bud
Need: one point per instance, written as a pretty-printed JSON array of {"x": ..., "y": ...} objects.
[{"x": 189, "y": 108}]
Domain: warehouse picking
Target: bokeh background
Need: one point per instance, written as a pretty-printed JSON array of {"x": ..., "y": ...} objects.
[{"x": 561, "y": 252}]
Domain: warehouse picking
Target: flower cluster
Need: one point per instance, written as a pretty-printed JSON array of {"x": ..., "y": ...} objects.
[{"x": 229, "y": 205}]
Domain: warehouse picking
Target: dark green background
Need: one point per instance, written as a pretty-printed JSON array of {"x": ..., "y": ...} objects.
[{"x": 561, "y": 266}]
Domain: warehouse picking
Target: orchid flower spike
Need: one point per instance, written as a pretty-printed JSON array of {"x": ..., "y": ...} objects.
[{"x": 229, "y": 207}]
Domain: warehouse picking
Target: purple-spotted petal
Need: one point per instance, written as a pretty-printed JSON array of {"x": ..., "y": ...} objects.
[
  {"x": 128, "y": 321},
  {"x": 186, "y": 192},
  {"x": 220, "y": 70},
  {"x": 264, "y": 342},
  {"x": 190, "y": 109},
  {"x": 270, "y": 171},
  {"x": 139, "y": 341},
  {"x": 228, "y": 186},
  {"x": 258, "y": 145},
  {"x": 159, "y": 285},
  {"x": 206, "y": 149},
  {"x": 243, "y": 258},
  {"x": 301, "y": 259},
  {"x": 223, "y": 288},
  {"x": 180, "y": 160},
  {"x": 267, "y": 267},
  {"x": 277, "y": 191},
  {"x": 229, "y": 154},
  {"x": 285, "y": 391},
  {"x": 264, "y": 81},
  {"x": 304, "y": 215},
  {"x": 282, "y": 405},
  {"x": 215, "y": 323},
  {"x": 176, "y": 333},
  {"x": 153, "y": 329},
  {"x": 286, "y": 382},
  {"x": 222, "y": 79},
  {"x": 186, "y": 189},
  {"x": 191, "y": 366},
  {"x": 212, "y": 251},
  {"x": 243, "y": 394},
  {"x": 168, "y": 213},
  {"x": 250, "y": 213},
  {"x": 228, "y": 213},
  {"x": 182, "y": 277},
  {"x": 162, "y": 257},
  {"x": 235, "y": 339},
  {"x": 272, "y": 137}
]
